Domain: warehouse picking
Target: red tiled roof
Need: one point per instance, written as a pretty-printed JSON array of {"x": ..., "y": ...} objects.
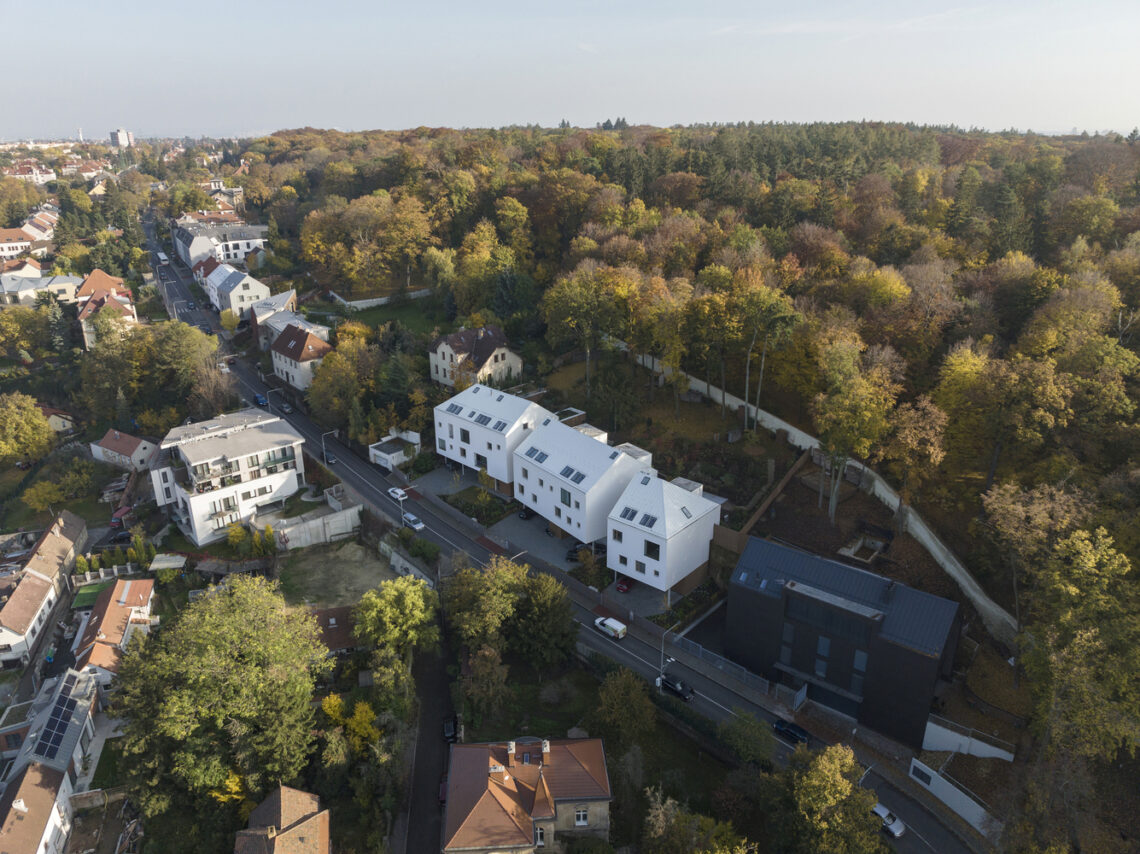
[
  {"x": 95, "y": 303},
  {"x": 100, "y": 281},
  {"x": 17, "y": 263},
  {"x": 37, "y": 788},
  {"x": 297, "y": 822},
  {"x": 102, "y": 641},
  {"x": 337, "y": 627},
  {"x": 13, "y": 235},
  {"x": 119, "y": 443},
  {"x": 300, "y": 344}
]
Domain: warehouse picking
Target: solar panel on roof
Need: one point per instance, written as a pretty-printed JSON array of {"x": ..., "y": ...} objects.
[{"x": 51, "y": 752}]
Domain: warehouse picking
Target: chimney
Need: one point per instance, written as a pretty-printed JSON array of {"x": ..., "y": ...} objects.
[
  {"x": 270, "y": 832},
  {"x": 19, "y": 806},
  {"x": 510, "y": 754},
  {"x": 498, "y": 773},
  {"x": 479, "y": 334},
  {"x": 546, "y": 751}
]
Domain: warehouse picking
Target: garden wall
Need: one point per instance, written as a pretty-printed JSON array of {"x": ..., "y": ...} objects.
[
  {"x": 999, "y": 622},
  {"x": 371, "y": 303},
  {"x": 957, "y": 798}
]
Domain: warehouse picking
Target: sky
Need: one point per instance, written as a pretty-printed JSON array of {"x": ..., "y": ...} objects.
[{"x": 249, "y": 67}]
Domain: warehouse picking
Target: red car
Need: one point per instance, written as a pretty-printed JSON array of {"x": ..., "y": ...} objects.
[{"x": 624, "y": 584}]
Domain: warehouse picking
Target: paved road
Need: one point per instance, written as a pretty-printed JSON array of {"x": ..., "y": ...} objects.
[
  {"x": 433, "y": 690},
  {"x": 174, "y": 281},
  {"x": 925, "y": 832}
]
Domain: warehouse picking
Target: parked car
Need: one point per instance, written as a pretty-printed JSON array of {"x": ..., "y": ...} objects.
[
  {"x": 611, "y": 628},
  {"x": 527, "y": 513},
  {"x": 413, "y": 522},
  {"x": 261, "y": 400},
  {"x": 892, "y": 824},
  {"x": 792, "y": 732},
  {"x": 330, "y": 458},
  {"x": 450, "y": 729},
  {"x": 286, "y": 408},
  {"x": 121, "y": 537},
  {"x": 191, "y": 307},
  {"x": 397, "y": 494},
  {"x": 675, "y": 686},
  {"x": 624, "y": 584}
]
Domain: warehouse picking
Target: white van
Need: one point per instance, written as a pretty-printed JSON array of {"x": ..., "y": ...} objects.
[{"x": 610, "y": 627}]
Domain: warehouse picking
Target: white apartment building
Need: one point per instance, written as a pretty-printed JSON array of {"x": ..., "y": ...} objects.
[
  {"x": 230, "y": 288},
  {"x": 13, "y": 242},
  {"x": 660, "y": 531},
  {"x": 572, "y": 478},
  {"x": 481, "y": 427},
  {"x": 226, "y": 243},
  {"x": 220, "y": 471}
]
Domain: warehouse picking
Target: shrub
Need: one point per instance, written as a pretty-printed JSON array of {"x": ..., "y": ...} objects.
[
  {"x": 424, "y": 462},
  {"x": 81, "y": 564},
  {"x": 424, "y": 549}
]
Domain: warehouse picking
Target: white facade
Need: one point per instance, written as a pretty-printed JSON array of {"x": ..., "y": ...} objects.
[
  {"x": 572, "y": 478},
  {"x": 445, "y": 365},
  {"x": 17, "y": 638},
  {"x": 296, "y": 357},
  {"x": 221, "y": 471},
  {"x": 21, "y": 289},
  {"x": 481, "y": 427},
  {"x": 659, "y": 531},
  {"x": 13, "y": 243},
  {"x": 227, "y": 287},
  {"x": 226, "y": 243}
]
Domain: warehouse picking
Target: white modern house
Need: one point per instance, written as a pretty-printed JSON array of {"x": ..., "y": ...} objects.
[
  {"x": 572, "y": 478},
  {"x": 227, "y": 243},
  {"x": 22, "y": 289},
  {"x": 227, "y": 287},
  {"x": 220, "y": 471},
  {"x": 400, "y": 446},
  {"x": 481, "y": 427},
  {"x": 297, "y": 354},
  {"x": 473, "y": 356},
  {"x": 660, "y": 532}
]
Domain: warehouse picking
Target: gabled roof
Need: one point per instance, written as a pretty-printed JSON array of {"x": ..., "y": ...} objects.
[
  {"x": 232, "y": 281},
  {"x": 659, "y": 506},
  {"x": 493, "y": 798},
  {"x": 119, "y": 443},
  {"x": 98, "y": 281},
  {"x": 67, "y": 533},
  {"x": 288, "y": 821},
  {"x": 273, "y": 304},
  {"x": 572, "y": 454},
  {"x": 207, "y": 265},
  {"x": 300, "y": 345},
  {"x": 14, "y": 265},
  {"x": 909, "y": 617},
  {"x": 13, "y": 235},
  {"x": 120, "y": 303},
  {"x": 49, "y": 411},
  {"x": 477, "y": 401},
  {"x": 102, "y": 642},
  {"x": 26, "y": 807},
  {"x": 24, "y": 603},
  {"x": 478, "y": 344},
  {"x": 337, "y": 626}
]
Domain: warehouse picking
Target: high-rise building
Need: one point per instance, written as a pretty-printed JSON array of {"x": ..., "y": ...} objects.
[{"x": 122, "y": 138}]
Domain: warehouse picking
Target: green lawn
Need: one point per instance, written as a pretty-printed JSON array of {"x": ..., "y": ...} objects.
[
  {"x": 411, "y": 315},
  {"x": 20, "y": 515},
  {"x": 107, "y": 771},
  {"x": 176, "y": 542},
  {"x": 87, "y": 595}
]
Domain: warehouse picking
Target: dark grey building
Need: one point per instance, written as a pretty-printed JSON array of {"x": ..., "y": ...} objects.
[{"x": 864, "y": 645}]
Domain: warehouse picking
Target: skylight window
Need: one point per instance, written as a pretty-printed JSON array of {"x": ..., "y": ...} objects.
[
  {"x": 531, "y": 451},
  {"x": 614, "y": 455},
  {"x": 629, "y": 514},
  {"x": 499, "y": 399},
  {"x": 645, "y": 481},
  {"x": 648, "y": 521},
  {"x": 454, "y": 408},
  {"x": 500, "y": 426},
  {"x": 483, "y": 420},
  {"x": 578, "y": 477},
  {"x": 567, "y": 471},
  {"x": 685, "y": 510},
  {"x": 541, "y": 458}
]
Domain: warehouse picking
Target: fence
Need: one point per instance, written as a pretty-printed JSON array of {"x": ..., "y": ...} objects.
[
  {"x": 942, "y": 734},
  {"x": 998, "y": 621},
  {"x": 956, "y": 796},
  {"x": 371, "y": 303},
  {"x": 728, "y": 668},
  {"x": 302, "y": 531},
  {"x": 97, "y": 798},
  {"x": 82, "y": 579}
]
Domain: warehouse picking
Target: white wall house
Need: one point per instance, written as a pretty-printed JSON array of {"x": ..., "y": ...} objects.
[
  {"x": 21, "y": 289},
  {"x": 660, "y": 531},
  {"x": 227, "y": 287},
  {"x": 297, "y": 354},
  {"x": 481, "y": 427},
  {"x": 123, "y": 450},
  {"x": 22, "y": 617},
  {"x": 220, "y": 471},
  {"x": 399, "y": 447},
  {"x": 573, "y": 478},
  {"x": 473, "y": 356},
  {"x": 13, "y": 242},
  {"x": 226, "y": 243}
]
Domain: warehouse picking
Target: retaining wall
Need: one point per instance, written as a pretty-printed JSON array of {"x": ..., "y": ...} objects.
[
  {"x": 957, "y": 798},
  {"x": 370, "y": 303}
]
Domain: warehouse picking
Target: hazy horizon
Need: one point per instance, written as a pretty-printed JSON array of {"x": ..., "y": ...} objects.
[{"x": 225, "y": 70}]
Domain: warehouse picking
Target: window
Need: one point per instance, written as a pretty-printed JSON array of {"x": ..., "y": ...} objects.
[
  {"x": 164, "y": 476},
  {"x": 567, "y": 471},
  {"x": 167, "y": 491},
  {"x": 557, "y": 512},
  {"x": 860, "y": 663},
  {"x": 652, "y": 550},
  {"x": 540, "y": 483},
  {"x": 639, "y": 566},
  {"x": 526, "y": 475},
  {"x": 566, "y": 497},
  {"x": 821, "y": 668},
  {"x": 629, "y": 514},
  {"x": 463, "y": 453},
  {"x": 687, "y": 514},
  {"x": 786, "y": 654},
  {"x": 13, "y": 740},
  {"x": 522, "y": 490},
  {"x": 823, "y": 647},
  {"x": 657, "y": 572},
  {"x": 577, "y": 506},
  {"x": 617, "y": 535},
  {"x": 442, "y": 445},
  {"x": 464, "y": 436},
  {"x": 541, "y": 458},
  {"x": 581, "y": 817},
  {"x": 623, "y": 560},
  {"x": 490, "y": 447},
  {"x": 539, "y": 836}
]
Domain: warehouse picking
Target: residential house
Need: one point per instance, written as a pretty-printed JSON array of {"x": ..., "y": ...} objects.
[
  {"x": 35, "y": 809},
  {"x": 400, "y": 446},
  {"x": 13, "y": 242},
  {"x": 338, "y": 629},
  {"x": 473, "y": 356},
  {"x": 526, "y": 794},
  {"x": 481, "y": 427},
  {"x": 120, "y": 308},
  {"x": 27, "y": 598},
  {"x": 288, "y": 821},
  {"x": 229, "y": 288},
  {"x": 262, "y": 310},
  {"x": 297, "y": 354},
  {"x": 216, "y": 472},
  {"x": 214, "y": 217},
  {"x": 120, "y": 611},
  {"x": 660, "y": 532},
  {"x": 58, "y": 420},
  {"x": 40, "y": 224},
  {"x": 123, "y": 450},
  {"x": 29, "y": 171},
  {"x": 204, "y": 268},
  {"x": 273, "y": 327},
  {"x": 573, "y": 478},
  {"x": 27, "y": 267},
  {"x": 228, "y": 243},
  {"x": 23, "y": 289},
  {"x": 97, "y": 282},
  {"x": 867, "y": 646}
]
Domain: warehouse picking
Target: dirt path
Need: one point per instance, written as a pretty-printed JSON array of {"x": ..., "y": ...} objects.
[{"x": 332, "y": 575}]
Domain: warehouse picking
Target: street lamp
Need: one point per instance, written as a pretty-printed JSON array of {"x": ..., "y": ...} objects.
[
  {"x": 664, "y": 635},
  {"x": 324, "y": 453},
  {"x": 269, "y": 404}
]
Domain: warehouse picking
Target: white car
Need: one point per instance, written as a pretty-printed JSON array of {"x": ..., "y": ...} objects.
[
  {"x": 892, "y": 824},
  {"x": 397, "y": 494},
  {"x": 413, "y": 522}
]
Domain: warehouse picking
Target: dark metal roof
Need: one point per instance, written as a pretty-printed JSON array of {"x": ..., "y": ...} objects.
[{"x": 911, "y": 617}]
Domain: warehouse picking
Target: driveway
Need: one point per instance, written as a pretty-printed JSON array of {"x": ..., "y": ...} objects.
[{"x": 434, "y": 692}]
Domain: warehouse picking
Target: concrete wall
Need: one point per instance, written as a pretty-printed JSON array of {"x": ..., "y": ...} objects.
[
  {"x": 369, "y": 303},
  {"x": 999, "y": 622},
  {"x": 300, "y": 532},
  {"x": 945, "y": 735},
  {"x": 957, "y": 799}
]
